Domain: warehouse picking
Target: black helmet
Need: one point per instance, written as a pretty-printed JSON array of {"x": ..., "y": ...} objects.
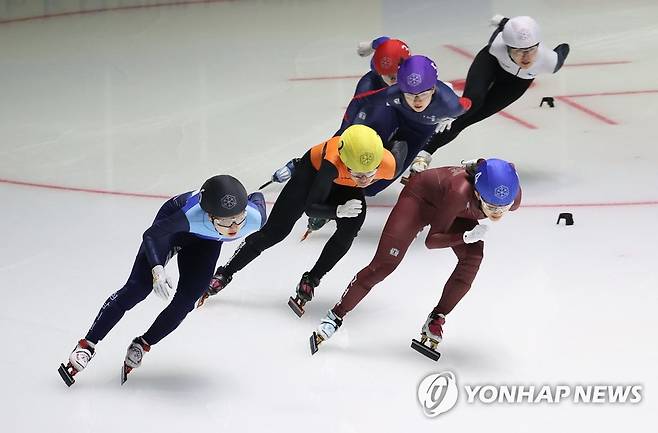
[{"x": 223, "y": 196}]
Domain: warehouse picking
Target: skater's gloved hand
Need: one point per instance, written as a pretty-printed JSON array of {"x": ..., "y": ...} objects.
[
  {"x": 444, "y": 124},
  {"x": 496, "y": 20},
  {"x": 477, "y": 234},
  {"x": 350, "y": 209},
  {"x": 161, "y": 282},
  {"x": 421, "y": 162},
  {"x": 364, "y": 49},
  {"x": 284, "y": 173}
]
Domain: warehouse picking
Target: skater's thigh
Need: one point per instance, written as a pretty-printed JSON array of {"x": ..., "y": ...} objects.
[
  {"x": 196, "y": 264},
  {"x": 402, "y": 226},
  {"x": 140, "y": 281},
  {"x": 290, "y": 204}
]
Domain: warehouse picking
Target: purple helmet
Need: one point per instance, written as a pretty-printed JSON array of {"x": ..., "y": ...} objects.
[
  {"x": 496, "y": 181},
  {"x": 417, "y": 74}
]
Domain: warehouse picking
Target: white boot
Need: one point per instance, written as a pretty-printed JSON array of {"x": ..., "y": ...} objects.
[
  {"x": 136, "y": 352},
  {"x": 433, "y": 327},
  {"x": 329, "y": 325},
  {"x": 82, "y": 354}
]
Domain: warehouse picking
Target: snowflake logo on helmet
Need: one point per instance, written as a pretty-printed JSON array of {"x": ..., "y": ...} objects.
[
  {"x": 229, "y": 201},
  {"x": 501, "y": 191},
  {"x": 524, "y": 34},
  {"x": 366, "y": 158},
  {"x": 414, "y": 79},
  {"x": 386, "y": 62}
]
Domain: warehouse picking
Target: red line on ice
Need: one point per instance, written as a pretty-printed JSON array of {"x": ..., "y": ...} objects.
[
  {"x": 374, "y": 205},
  {"x": 518, "y": 120},
  {"x": 586, "y": 110},
  {"x": 118, "y": 8}
]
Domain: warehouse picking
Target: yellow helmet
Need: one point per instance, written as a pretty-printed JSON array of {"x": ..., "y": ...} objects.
[{"x": 360, "y": 148}]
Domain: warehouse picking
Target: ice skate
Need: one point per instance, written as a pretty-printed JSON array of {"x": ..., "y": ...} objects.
[
  {"x": 314, "y": 224},
  {"x": 78, "y": 360},
  {"x": 305, "y": 289},
  {"x": 328, "y": 326},
  {"x": 134, "y": 357},
  {"x": 216, "y": 285},
  {"x": 430, "y": 336}
]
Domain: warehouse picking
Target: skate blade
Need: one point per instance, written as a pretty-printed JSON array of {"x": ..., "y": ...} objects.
[
  {"x": 420, "y": 347},
  {"x": 294, "y": 306},
  {"x": 124, "y": 373},
  {"x": 202, "y": 300},
  {"x": 315, "y": 341},
  {"x": 305, "y": 235},
  {"x": 66, "y": 376}
]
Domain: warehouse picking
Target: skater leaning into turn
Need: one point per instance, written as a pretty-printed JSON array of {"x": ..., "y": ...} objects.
[
  {"x": 193, "y": 225},
  {"x": 450, "y": 200},
  {"x": 501, "y": 73},
  {"x": 328, "y": 182},
  {"x": 387, "y": 55}
]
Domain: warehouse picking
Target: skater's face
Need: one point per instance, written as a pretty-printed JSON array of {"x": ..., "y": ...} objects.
[
  {"x": 493, "y": 212},
  {"x": 362, "y": 180},
  {"x": 390, "y": 79},
  {"x": 420, "y": 101},
  {"x": 524, "y": 57},
  {"x": 229, "y": 226}
]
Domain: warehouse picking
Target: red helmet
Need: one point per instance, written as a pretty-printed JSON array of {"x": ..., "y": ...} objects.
[{"x": 389, "y": 55}]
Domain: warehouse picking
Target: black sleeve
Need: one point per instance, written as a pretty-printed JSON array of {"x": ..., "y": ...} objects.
[
  {"x": 498, "y": 30},
  {"x": 316, "y": 202},
  {"x": 562, "y": 51},
  {"x": 399, "y": 151}
]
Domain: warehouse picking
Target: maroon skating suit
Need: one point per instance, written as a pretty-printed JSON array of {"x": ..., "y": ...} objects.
[{"x": 443, "y": 198}]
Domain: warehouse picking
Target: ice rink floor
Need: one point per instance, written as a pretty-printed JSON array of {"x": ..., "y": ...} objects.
[{"x": 104, "y": 115}]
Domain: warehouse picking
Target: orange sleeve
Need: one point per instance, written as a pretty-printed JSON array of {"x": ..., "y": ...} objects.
[{"x": 386, "y": 169}]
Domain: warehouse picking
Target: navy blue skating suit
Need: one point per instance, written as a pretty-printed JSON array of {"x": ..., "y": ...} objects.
[
  {"x": 180, "y": 228},
  {"x": 387, "y": 112}
]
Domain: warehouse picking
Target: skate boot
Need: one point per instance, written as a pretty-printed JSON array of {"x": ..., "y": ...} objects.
[
  {"x": 328, "y": 326},
  {"x": 134, "y": 356},
  {"x": 216, "y": 285},
  {"x": 313, "y": 225},
  {"x": 430, "y": 336},
  {"x": 305, "y": 289},
  {"x": 78, "y": 360}
]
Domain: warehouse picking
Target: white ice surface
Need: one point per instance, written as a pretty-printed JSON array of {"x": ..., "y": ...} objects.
[{"x": 154, "y": 101}]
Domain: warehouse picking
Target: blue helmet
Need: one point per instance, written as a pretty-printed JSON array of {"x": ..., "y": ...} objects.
[
  {"x": 417, "y": 74},
  {"x": 496, "y": 181}
]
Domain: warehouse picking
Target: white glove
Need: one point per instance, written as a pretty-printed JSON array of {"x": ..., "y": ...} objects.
[
  {"x": 161, "y": 282},
  {"x": 475, "y": 235},
  {"x": 495, "y": 20},
  {"x": 282, "y": 174},
  {"x": 421, "y": 162},
  {"x": 365, "y": 49},
  {"x": 444, "y": 124},
  {"x": 350, "y": 209}
]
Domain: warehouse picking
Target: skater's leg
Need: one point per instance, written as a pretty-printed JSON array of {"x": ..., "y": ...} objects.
[
  {"x": 196, "y": 264},
  {"x": 287, "y": 209},
  {"x": 136, "y": 289},
  {"x": 403, "y": 225},
  {"x": 347, "y": 229},
  {"x": 469, "y": 258}
]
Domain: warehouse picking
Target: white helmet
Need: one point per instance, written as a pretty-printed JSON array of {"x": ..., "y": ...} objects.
[{"x": 521, "y": 32}]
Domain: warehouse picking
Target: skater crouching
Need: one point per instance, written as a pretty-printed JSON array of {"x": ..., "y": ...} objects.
[
  {"x": 193, "y": 226},
  {"x": 450, "y": 200}
]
